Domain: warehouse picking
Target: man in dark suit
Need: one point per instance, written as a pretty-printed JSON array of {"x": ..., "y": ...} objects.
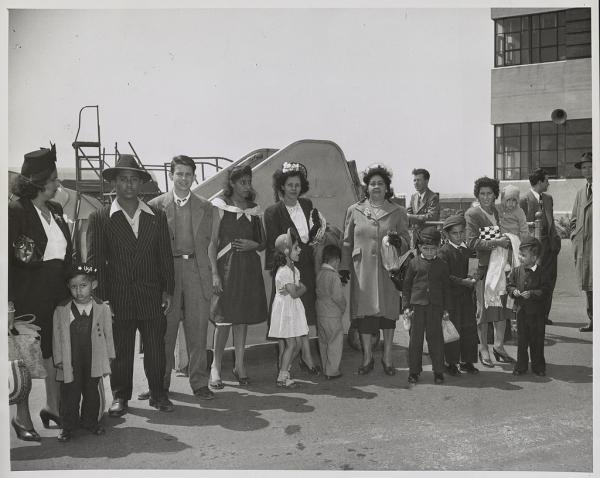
[
  {"x": 128, "y": 242},
  {"x": 537, "y": 199},
  {"x": 424, "y": 204}
]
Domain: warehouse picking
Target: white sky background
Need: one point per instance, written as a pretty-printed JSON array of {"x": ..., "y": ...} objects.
[{"x": 406, "y": 87}]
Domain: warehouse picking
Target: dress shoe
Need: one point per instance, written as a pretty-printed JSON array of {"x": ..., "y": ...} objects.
[
  {"x": 46, "y": 416},
  {"x": 453, "y": 370},
  {"x": 316, "y": 370},
  {"x": 518, "y": 372},
  {"x": 413, "y": 378},
  {"x": 64, "y": 436},
  {"x": 24, "y": 434},
  {"x": 502, "y": 356},
  {"x": 541, "y": 373},
  {"x": 241, "y": 380},
  {"x": 118, "y": 408},
  {"x": 365, "y": 369},
  {"x": 204, "y": 393},
  {"x": 388, "y": 369},
  {"x": 469, "y": 368},
  {"x": 587, "y": 328},
  {"x": 95, "y": 429},
  {"x": 548, "y": 321},
  {"x": 144, "y": 395},
  {"x": 162, "y": 404},
  {"x": 333, "y": 377},
  {"x": 216, "y": 384},
  {"x": 485, "y": 362},
  {"x": 438, "y": 378},
  {"x": 286, "y": 383}
]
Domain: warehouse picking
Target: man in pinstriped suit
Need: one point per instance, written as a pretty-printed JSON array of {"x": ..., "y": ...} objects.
[{"x": 128, "y": 241}]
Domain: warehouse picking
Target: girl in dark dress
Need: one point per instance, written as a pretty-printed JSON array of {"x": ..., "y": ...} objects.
[{"x": 243, "y": 301}]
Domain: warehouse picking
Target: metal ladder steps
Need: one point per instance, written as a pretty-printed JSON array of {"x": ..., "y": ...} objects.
[
  {"x": 86, "y": 144},
  {"x": 89, "y": 186}
]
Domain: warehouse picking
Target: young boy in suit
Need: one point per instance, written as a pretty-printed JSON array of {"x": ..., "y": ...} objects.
[
  {"x": 330, "y": 305},
  {"x": 426, "y": 291},
  {"x": 82, "y": 350},
  {"x": 462, "y": 311},
  {"x": 529, "y": 287}
]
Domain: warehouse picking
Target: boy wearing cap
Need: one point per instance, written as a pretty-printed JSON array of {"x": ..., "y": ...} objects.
[
  {"x": 462, "y": 311},
  {"x": 426, "y": 291},
  {"x": 529, "y": 287},
  {"x": 82, "y": 350}
]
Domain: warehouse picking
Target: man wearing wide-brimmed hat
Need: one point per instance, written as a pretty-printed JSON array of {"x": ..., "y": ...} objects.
[
  {"x": 581, "y": 234},
  {"x": 128, "y": 242}
]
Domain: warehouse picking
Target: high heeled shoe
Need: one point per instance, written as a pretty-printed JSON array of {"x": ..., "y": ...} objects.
[
  {"x": 485, "y": 362},
  {"x": 24, "y": 434},
  {"x": 241, "y": 380},
  {"x": 388, "y": 369},
  {"x": 316, "y": 370},
  {"x": 365, "y": 369},
  {"x": 502, "y": 356},
  {"x": 47, "y": 416}
]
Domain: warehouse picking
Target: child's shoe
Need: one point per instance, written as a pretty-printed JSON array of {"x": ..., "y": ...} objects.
[
  {"x": 453, "y": 370},
  {"x": 438, "y": 378},
  {"x": 413, "y": 378},
  {"x": 64, "y": 435},
  {"x": 469, "y": 368}
]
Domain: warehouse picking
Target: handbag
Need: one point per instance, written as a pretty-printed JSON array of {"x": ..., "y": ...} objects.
[
  {"x": 398, "y": 275},
  {"x": 24, "y": 344},
  {"x": 19, "y": 382},
  {"x": 449, "y": 331},
  {"x": 489, "y": 232}
]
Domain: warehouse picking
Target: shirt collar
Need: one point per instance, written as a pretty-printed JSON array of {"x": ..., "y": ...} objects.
[
  {"x": 536, "y": 194},
  {"x": 327, "y": 266},
  {"x": 142, "y": 206},
  {"x": 462, "y": 244},
  {"x": 87, "y": 308},
  {"x": 533, "y": 267},
  {"x": 181, "y": 201},
  {"x": 428, "y": 260}
]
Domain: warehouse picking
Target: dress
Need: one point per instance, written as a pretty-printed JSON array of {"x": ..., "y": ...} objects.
[
  {"x": 243, "y": 300},
  {"x": 288, "y": 318}
]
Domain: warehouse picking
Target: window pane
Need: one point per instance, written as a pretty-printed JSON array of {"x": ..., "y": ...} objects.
[
  {"x": 535, "y": 38},
  {"x": 524, "y": 129},
  {"x": 512, "y": 143},
  {"x": 547, "y": 159},
  {"x": 548, "y": 54},
  {"x": 548, "y": 142},
  {"x": 513, "y": 24},
  {"x": 500, "y": 161},
  {"x": 548, "y": 37},
  {"x": 579, "y": 141},
  {"x": 513, "y": 160},
  {"x": 579, "y": 51},
  {"x": 512, "y": 129},
  {"x": 535, "y": 55},
  {"x": 535, "y": 22},
  {"x": 524, "y": 143},
  {"x": 560, "y": 142},
  {"x": 579, "y": 126},
  {"x": 499, "y": 174},
  {"x": 512, "y": 174},
  {"x": 574, "y": 155},
  {"x": 525, "y": 40},
  {"x": 579, "y": 13},
  {"x": 500, "y": 26},
  {"x": 525, "y": 160},
  {"x": 548, "y": 20},
  {"x": 525, "y": 23},
  {"x": 513, "y": 57},
  {"x": 562, "y": 52},
  {"x": 561, "y": 18},
  {"x": 547, "y": 127},
  {"x": 499, "y": 43},
  {"x": 499, "y": 145},
  {"x": 552, "y": 171},
  {"x": 513, "y": 41},
  {"x": 578, "y": 27},
  {"x": 578, "y": 38},
  {"x": 561, "y": 36},
  {"x": 498, "y": 129}
]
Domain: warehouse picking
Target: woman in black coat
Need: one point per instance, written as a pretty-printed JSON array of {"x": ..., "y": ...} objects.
[{"x": 40, "y": 253}]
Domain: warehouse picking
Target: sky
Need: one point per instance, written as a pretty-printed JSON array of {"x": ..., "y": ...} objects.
[{"x": 404, "y": 87}]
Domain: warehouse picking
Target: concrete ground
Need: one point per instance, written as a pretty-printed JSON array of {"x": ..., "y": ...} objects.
[{"x": 491, "y": 421}]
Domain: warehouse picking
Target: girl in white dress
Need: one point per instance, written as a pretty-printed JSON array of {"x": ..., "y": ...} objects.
[{"x": 288, "y": 318}]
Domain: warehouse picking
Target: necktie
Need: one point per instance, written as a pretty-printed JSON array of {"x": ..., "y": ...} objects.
[
  {"x": 541, "y": 204},
  {"x": 83, "y": 314},
  {"x": 180, "y": 202},
  {"x": 419, "y": 202}
]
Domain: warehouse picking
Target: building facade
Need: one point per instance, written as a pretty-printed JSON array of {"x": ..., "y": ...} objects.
[{"x": 541, "y": 96}]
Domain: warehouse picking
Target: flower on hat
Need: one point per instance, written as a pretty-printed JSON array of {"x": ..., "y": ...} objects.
[
  {"x": 291, "y": 167},
  {"x": 86, "y": 269}
]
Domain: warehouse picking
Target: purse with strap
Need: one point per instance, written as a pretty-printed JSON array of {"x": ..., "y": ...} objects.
[{"x": 24, "y": 344}]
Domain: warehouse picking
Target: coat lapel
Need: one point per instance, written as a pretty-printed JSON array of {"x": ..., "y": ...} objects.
[
  {"x": 197, "y": 213},
  {"x": 286, "y": 218},
  {"x": 145, "y": 228},
  {"x": 121, "y": 230},
  {"x": 37, "y": 229},
  {"x": 170, "y": 212},
  {"x": 548, "y": 211}
]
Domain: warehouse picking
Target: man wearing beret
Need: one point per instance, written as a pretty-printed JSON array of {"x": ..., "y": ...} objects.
[
  {"x": 129, "y": 244},
  {"x": 581, "y": 235}
]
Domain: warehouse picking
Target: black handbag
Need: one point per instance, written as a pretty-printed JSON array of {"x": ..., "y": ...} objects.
[{"x": 398, "y": 275}]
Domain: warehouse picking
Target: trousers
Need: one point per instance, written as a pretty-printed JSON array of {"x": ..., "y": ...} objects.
[{"x": 426, "y": 322}]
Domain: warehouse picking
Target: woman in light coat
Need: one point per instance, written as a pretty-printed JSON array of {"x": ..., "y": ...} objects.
[{"x": 375, "y": 302}]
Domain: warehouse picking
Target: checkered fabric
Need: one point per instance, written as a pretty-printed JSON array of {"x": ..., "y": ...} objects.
[{"x": 489, "y": 232}]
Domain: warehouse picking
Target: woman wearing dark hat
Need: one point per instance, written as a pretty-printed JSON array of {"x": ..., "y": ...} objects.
[
  {"x": 479, "y": 217},
  {"x": 375, "y": 302},
  {"x": 40, "y": 253},
  {"x": 292, "y": 211},
  {"x": 243, "y": 301}
]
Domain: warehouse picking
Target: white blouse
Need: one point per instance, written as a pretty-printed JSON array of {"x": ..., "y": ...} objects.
[
  {"x": 56, "y": 248},
  {"x": 299, "y": 220}
]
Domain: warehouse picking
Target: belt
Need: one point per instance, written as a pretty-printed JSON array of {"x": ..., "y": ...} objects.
[{"x": 185, "y": 256}]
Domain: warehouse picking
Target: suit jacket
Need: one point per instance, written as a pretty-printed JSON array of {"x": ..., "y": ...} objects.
[
  {"x": 205, "y": 225},
  {"x": 533, "y": 281},
  {"x": 331, "y": 301},
  {"x": 132, "y": 272},
  {"x": 427, "y": 282},
  {"x": 23, "y": 219},
  {"x": 429, "y": 210},
  {"x": 531, "y": 205},
  {"x": 581, "y": 237},
  {"x": 103, "y": 347},
  {"x": 277, "y": 222},
  {"x": 458, "y": 267},
  {"x": 476, "y": 219}
]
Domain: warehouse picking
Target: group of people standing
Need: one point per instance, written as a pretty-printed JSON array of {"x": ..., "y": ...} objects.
[{"x": 181, "y": 258}]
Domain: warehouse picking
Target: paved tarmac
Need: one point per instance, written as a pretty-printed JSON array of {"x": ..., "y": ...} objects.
[{"x": 491, "y": 421}]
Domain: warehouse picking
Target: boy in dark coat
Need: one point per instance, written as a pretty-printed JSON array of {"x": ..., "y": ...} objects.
[
  {"x": 426, "y": 291},
  {"x": 530, "y": 288},
  {"x": 462, "y": 311}
]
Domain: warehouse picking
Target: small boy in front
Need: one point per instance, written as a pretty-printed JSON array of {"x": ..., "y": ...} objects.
[
  {"x": 330, "y": 305},
  {"x": 462, "y": 312},
  {"x": 529, "y": 287},
  {"x": 426, "y": 289},
  {"x": 82, "y": 350}
]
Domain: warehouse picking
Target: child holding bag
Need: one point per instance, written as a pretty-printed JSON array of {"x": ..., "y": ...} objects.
[{"x": 288, "y": 318}]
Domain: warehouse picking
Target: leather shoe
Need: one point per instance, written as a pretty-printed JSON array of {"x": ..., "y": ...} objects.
[
  {"x": 588, "y": 328},
  {"x": 333, "y": 377},
  {"x": 413, "y": 378},
  {"x": 453, "y": 370},
  {"x": 438, "y": 378},
  {"x": 118, "y": 408},
  {"x": 541, "y": 373},
  {"x": 64, "y": 435},
  {"x": 469, "y": 368},
  {"x": 365, "y": 369},
  {"x": 144, "y": 395},
  {"x": 24, "y": 434},
  {"x": 518, "y": 372},
  {"x": 204, "y": 393},
  {"x": 95, "y": 429},
  {"x": 388, "y": 369},
  {"x": 485, "y": 362},
  {"x": 163, "y": 404}
]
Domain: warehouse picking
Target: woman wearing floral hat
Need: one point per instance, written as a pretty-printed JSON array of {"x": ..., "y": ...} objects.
[{"x": 375, "y": 302}]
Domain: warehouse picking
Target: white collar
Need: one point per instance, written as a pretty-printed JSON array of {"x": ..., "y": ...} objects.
[
  {"x": 294, "y": 207},
  {"x": 533, "y": 267},
  {"x": 462, "y": 244},
  {"x": 142, "y": 206},
  {"x": 248, "y": 212},
  {"x": 428, "y": 260},
  {"x": 536, "y": 194},
  {"x": 181, "y": 201},
  {"x": 328, "y": 266},
  {"x": 87, "y": 308}
]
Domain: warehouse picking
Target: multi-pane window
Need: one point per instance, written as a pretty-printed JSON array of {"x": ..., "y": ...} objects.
[
  {"x": 543, "y": 37},
  {"x": 523, "y": 147}
]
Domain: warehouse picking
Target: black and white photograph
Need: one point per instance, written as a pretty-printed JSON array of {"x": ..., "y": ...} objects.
[{"x": 299, "y": 236}]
